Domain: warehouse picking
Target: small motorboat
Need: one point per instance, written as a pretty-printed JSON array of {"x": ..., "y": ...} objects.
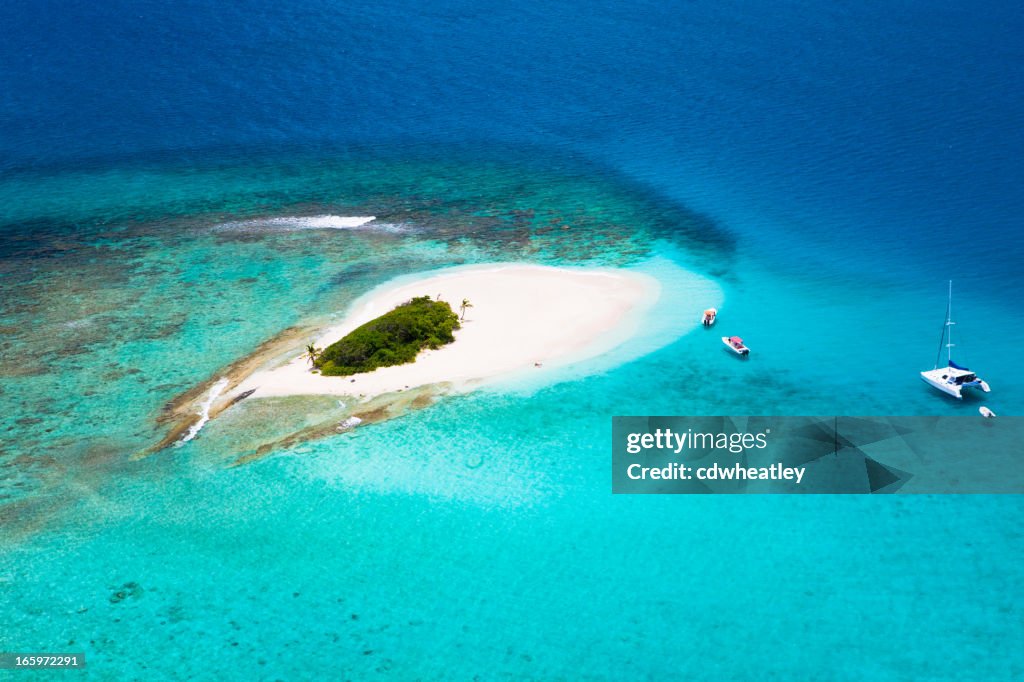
[
  {"x": 735, "y": 344},
  {"x": 986, "y": 413},
  {"x": 709, "y": 317}
]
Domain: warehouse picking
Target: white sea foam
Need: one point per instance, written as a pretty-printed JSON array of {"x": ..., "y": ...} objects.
[
  {"x": 394, "y": 228},
  {"x": 204, "y": 410},
  {"x": 315, "y": 222},
  {"x": 349, "y": 423},
  {"x": 323, "y": 222}
]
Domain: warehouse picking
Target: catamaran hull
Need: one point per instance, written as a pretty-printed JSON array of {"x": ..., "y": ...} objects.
[{"x": 955, "y": 390}]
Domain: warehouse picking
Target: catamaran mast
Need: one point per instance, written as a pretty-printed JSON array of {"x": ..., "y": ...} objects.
[
  {"x": 946, "y": 330},
  {"x": 949, "y": 324}
]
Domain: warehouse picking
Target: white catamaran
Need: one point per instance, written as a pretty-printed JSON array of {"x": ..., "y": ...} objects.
[{"x": 952, "y": 378}]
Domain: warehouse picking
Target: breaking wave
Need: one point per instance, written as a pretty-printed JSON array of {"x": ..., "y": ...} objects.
[
  {"x": 204, "y": 411},
  {"x": 316, "y": 222}
]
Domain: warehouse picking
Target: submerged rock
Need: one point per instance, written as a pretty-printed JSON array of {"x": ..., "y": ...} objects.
[{"x": 131, "y": 590}]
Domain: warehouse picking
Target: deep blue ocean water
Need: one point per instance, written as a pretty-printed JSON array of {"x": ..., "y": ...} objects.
[{"x": 829, "y": 167}]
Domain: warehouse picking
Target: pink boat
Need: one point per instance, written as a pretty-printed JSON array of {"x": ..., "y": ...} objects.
[{"x": 735, "y": 344}]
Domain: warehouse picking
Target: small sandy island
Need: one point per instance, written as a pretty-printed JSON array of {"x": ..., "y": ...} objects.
[{"x": 523, "y": 318}]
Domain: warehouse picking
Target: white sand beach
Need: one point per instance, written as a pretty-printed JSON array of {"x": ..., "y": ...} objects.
[{"x": 524, "y": 318}]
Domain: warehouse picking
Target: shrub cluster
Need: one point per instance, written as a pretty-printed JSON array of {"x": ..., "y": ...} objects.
[{"x": 394, "y": 338}]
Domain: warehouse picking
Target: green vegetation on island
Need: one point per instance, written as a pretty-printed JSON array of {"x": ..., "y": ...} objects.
[{"x": 394, "y": 338}]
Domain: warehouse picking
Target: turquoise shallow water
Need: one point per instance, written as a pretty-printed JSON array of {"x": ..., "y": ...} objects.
[
  {"x": 319, "y": 569},
  {"x": 477, "y": 537}
]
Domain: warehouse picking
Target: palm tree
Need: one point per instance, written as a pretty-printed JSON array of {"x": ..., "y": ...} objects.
[
  {"x": 312, "y": 353},
  {"x": 462, "y": 308}
]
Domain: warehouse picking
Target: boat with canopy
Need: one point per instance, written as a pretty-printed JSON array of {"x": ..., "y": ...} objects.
[{"x": 735, "y": 344}]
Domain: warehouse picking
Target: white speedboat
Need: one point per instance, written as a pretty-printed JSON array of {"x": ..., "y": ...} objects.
[
  {"x": 709, "y": 317},
  {"x": 735, "y": 344},
  {"x": 953, "y": 378}
]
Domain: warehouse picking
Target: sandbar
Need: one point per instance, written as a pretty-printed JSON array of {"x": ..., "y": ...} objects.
[{"x": 524, "y": 318}]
